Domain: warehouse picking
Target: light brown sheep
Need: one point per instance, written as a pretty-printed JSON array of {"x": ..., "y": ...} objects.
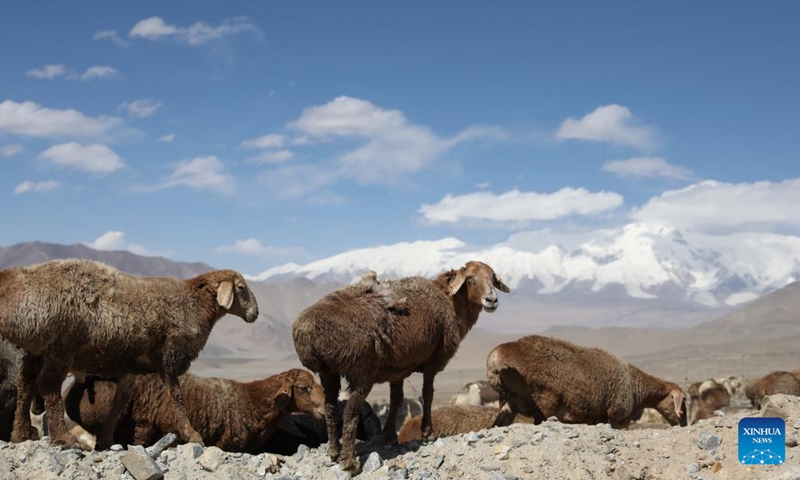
[
  {"x": 776, "y": 382},
  {"x": 713, "y": 398},
  {"x": 454, "y": 420},
  {"x": 476, "y": 393},
  {"x": 546, "y": 377},
  {"x": 355, "y": 333},
  {"x": 91, "y": 319},
  {"x": 234, "y": 416}
]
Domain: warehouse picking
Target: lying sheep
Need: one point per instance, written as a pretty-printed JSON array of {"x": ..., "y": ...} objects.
[
  {"x": 454, "y": 420},
  {"x": 546, "y": 377},
  {"x": 234, "y": 416},
  {"x": 91, "y": 319},
  {"x": 476, "y": 393},
  {"x": 776, "y": 382},
  {"x": 354, "y": 332},
  {"x": 712, "y": 399}
]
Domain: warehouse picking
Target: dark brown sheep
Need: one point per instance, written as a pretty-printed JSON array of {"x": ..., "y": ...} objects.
[
  {"x": 776, "y": 382},
  {"x": 546, "y": 377},
  {"x": 713, "y": 398},
  {"x": 454, "y": 420},
  {"x": 354, "y": 332},
  {"x": 91, "y": 319},
  {"x": 234, "y": 416},
  {"x": 10, "y": 361}
]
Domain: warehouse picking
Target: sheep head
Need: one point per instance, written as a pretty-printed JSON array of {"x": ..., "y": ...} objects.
[
  {"x": 673, "y": 406},
  {"x": 480, "y": 281},
  {"x": 299, "y": 392},
  {"x": 232, "y": 294}
]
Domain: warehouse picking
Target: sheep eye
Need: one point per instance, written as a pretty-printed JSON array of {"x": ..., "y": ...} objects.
[{"x": 240, "y": 287}]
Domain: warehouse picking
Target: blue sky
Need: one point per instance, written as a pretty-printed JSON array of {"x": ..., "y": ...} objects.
[{"x": 300, "y": 130}]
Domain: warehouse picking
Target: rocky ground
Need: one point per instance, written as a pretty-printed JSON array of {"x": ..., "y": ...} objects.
[{"x": 552, "y": 450}]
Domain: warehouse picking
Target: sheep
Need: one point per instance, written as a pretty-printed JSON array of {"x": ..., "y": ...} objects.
[
  {"x": 354, "y": 333},
  {"x": 408, "y": 408},
  {"x": 91, "y": 319},
  {"x": 476, "y": 393},
  {"x": 547, "y": 377},
  {"x": 10, "y": 360},
  {"x": 776, "y": 382},
  {"x": 454, "y": 420},
  {"x": 714, "y": 398},
  {"x": 234, "y": 416}
]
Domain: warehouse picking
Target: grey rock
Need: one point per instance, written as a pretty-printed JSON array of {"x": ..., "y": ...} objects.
[
  {"x": 708, "y": 440},
  {"x": 189, "y": 451},
  {"x": 300, "y": 453},
  {"x": 693, "y": 469},
  {"x": 212, "y": 458},
  {"x": 424, "y": 474},
  {"x": 438, "y": 461},
  {"x": 117, "y": 448},
  {"x": 401, "y": 474},
  {"x": 490, "y": 468},
  {"x": 139, "y": 464},
  {"x": 373, "y": 463},
  {"x": 791, "y": 440},
  {"x": 155, "y": 450},
  {"x": 471, "y": 437}
]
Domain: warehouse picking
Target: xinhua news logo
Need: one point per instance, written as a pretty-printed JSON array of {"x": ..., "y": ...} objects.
[{"x": 762, "y": 441}]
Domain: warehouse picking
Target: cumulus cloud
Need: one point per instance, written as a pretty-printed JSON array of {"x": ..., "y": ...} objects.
[
  {"x": 652, "y": 167},
  {"x": 611, "y": 123},
  {"x": 8, "y": 151},
  {"x": 200, "y": 173},
  {"x": 95, "y": 158},
  {"x": 272, "y": 157},
  {"x": 28, "y": 186},
  {"x": 155, "y": 28},
  {"x": 110, "y": 35},
  {"x": 48, "y": 72},
  {"x": 517, "y": 206},
  {"x": 712, "y": 206},
  {"x": 31, "y": 119},
  {"x": 168, "y": 138},
  {"x": 98, "y": 71},
  {"x": 115, "y": 240},
  {"x": 254, "y": 247},
  {"x": 272, "y": 140},
  {"x": 141, "y": 108}
]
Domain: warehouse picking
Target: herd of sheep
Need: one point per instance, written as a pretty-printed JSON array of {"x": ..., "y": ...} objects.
[{"x": 129, "y": 341}]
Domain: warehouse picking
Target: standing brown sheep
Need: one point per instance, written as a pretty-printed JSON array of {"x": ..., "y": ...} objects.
[
  {"x": 234, "y": 416},
  {"x": 546, "y": 377},
  {"x": 354, "y": 332},
  {"x": 713, "y": 398},
  {"x": 91, "y": 319},
  {"x": 776, "y": 382}
]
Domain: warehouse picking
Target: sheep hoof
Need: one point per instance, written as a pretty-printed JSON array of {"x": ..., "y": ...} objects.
[
  {"x": 350, "y": 464},
  {"x": 196, "y": 438},
  {"x": 66, "y": 441},
  {"x": 389, "y": 438},
  {"x": 19, "y": 437}
]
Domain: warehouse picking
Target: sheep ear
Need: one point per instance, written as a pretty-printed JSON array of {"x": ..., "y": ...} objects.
[
  {"x": 498, "y": 284},
  {"x": 457, "y": 281},
  {"x": 225, "y": 295}
]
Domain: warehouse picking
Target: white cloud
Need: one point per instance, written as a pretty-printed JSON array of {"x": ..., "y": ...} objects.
[
  {"x": 200, "y": 173},
  {"x": 28, "y": 186},
  {"x": 8, "y": 151},
  {"x": 393, "y": 146},
  {"x": 253, "y": 246},
  {"x": 278, "y": 156},
  {"x": 98, "y": 71},
  {"x": 712, "y": 206},
  {"x": 141, "y": 108},
  {"x": 155, "y": 28},
  {"x": 517, "y": 206},
  {"x": 647, "y": 167},
  {"x": 115, "y": 241},
  {"x": 110, "y": 35},
  {"x": 272, "y": 140},
  {"x": 87, "y": 158},
  {"x": 168, "y": 138},
  {"x": 297, "y": 181},
  {"x": 31, "y": 119},
  {"x": 48, "y": 72},
  {"x": 483, "y": 185},
  {"x": 611, "y": 123}
]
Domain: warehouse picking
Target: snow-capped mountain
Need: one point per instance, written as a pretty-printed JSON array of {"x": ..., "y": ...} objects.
[{"x": 644, "y": 260}]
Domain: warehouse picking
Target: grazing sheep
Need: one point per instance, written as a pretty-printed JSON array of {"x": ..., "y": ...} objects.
[
  {"x": 714, "y": 398},
  {"x": 91, "y": 319},
  {"x": 546, "y": 377},
  {"x": 354, "y": 332},
  {"x": 776, "y": 382},
  {"x": 234, "y": 416},
  {"x": 476, "y": 393},
  {"x": 454, "y": 420}
]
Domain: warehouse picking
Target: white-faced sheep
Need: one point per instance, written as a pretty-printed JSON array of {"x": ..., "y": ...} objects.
[
  {"x": 454, "y": 420},
  {"x": 91, "y": 319},
  {"x": 546, "y": 377},
  {"x": 353, "y": 332},
  {"x": 231, "y": 415},
  {"x": 476, "y": 393}
]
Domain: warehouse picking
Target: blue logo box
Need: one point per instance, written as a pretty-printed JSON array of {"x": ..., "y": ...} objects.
[{"x": 762, "y": 441}]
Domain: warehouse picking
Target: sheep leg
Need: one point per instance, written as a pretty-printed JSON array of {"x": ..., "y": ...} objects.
[
  {"x": 358, "y": 393},
  {"x": 122, "y": 395},
  {"x": 506, "y": 416},
  {"x": 54, "y": 372},
  {"x": 331, "y": 384},
  {"x": 395, "y": 400},
  {"x": 427, "y": 400},
  {"x": 186, "y": 432},
  {"x": 26, "y": 387}
]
